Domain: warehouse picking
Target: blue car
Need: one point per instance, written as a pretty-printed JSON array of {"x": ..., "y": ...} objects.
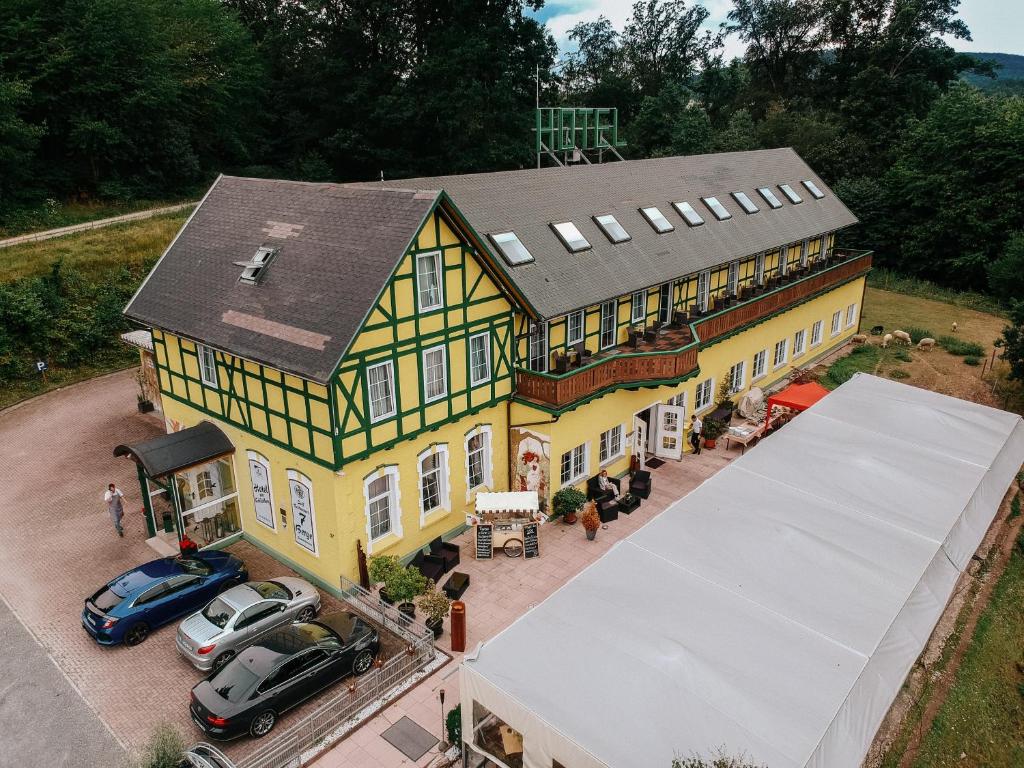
[{"x": 128, "y": 608}]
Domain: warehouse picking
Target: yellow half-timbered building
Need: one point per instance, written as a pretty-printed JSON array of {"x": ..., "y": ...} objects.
[{"x": 376, "y": 355}]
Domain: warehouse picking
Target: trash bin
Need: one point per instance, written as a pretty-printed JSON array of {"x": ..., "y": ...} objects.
[{"x": 168, "y": 522}]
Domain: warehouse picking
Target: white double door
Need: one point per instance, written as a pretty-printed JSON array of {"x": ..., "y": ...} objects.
[{"x": 665, "y": 434}]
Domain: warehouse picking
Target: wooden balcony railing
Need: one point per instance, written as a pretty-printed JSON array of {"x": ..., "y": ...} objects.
[{"x": 628, "y": 367}]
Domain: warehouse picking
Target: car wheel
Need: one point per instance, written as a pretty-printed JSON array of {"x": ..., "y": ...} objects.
[
  {"x": 136, "y": 633},
  {"x": 306, "y": 614},
  {"x": 362, "y": 662},
  {"x": 223, "y": 659},
  {"x": 262, "y": 724}
]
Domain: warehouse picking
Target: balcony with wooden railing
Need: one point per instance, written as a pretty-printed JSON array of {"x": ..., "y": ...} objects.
[{"x": 672, "y": 356}]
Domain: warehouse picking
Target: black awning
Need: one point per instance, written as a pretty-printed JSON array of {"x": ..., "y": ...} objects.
[{"x": 179, "y": 450}]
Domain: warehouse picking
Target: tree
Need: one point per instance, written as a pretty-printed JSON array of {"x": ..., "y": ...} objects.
[
  {"x": 739, "y": 135},
  {"x": 663, "y": 43},
  {"x": 18, "y": 141},
  {"x": 1006, "y": 274},
  {"x": 1012, "y": 342},
  {"x": 671, "y": 123}
]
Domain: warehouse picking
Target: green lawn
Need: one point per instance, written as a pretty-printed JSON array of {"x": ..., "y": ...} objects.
[
  {"x": 55, "y": 216},
  {"x": 115, "y": 359},
  {"x": 983, "y": 715},
  {"x": 95, "y": 252}
]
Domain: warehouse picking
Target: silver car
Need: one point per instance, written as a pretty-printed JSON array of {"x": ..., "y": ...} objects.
[{"x": 240, "y": 616}]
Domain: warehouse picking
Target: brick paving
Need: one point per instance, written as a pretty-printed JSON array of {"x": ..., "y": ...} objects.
[{"x": 57, "y": 545}]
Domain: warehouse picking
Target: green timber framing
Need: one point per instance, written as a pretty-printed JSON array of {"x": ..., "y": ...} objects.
[{"x": 697, "y": 342}]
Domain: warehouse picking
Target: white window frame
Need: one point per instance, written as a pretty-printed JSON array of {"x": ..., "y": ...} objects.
[
  {"x": 804, "y": 248},
  {"x": 538, "y": 333},
  {"x": 427, "y": 397},
  {"x": 736, "y": 383},
  {"x": 760, "y": 365},
  {"x": 851, "y": 315},
  {"x": 698, "y": 406},
  {"x": 294, "y": 476},
  {"x": 677, "y": 400},
  {"x": 390, "y": 380},
  {"x": 263, "y": 461},
  {"x": 816, "y": 332},
  {"x": 207, "y": 359},
  {"x": 733, "y": 286},
  {"x": 581, "y": 475},
  {"x": 486, "y": 336},
  {"x": 799, "y": 342},
  {"x": 488, "y": 459},
  {"x": 444, "y": 483},
  {"x": 703, "y": 290},
  {"x": 837, "y": 321},
  {"x": 759, "y": 269},
  {"x": 613, "y": 330},
  {"x": 665, "y": 308},
  {"x": 435, "y": 257},
  {"x": 606, "y": 452},
  {"x": 570, "y": 338},
  {"x": 394, "y": 493},
  {"x": 638, "y": 307},
  {"x": 783, "y": 345}
]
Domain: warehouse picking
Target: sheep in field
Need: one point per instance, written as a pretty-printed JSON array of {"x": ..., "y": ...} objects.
[
  {"x": 954, "y": 326},
  {"x": 859, "y": 338},
  {"x": 926, "y": 343},
  {"x": 902, "y": 336},
  {"x": 886, "y": 339}
]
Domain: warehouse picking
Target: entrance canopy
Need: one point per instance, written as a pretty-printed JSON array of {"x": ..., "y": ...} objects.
[
  {"x": 775, "y": 611},
  {"x": 173, "y": 452},
  {"x": 799, "y": 397}
]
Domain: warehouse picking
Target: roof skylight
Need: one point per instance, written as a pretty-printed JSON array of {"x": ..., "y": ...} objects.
[
  {"x": 511, "y": 248},
  {"x": 769, "y": 197},
  {"x": 656, "y": 220},
  {"x": 611, "y": 228},
  {"x": 690, "y": 216},
  {"x": 745, "y": 202},
  {"x": 791, "y": 194},
  {"x": 253, "y": 269},
  {"x": 571, "y": 236},
  {"x": 717, "y": 208},
  {"x": 813, "y": 189}
]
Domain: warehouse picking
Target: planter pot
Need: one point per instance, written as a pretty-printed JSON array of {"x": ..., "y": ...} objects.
[
  {"x": 145, "y": 406},
  {"x": 383, "y": 595},
  {"x": 408, "y": 611},
  {"x": 709, "y": 443},
  {"x": 569, "y": 519},
  {"x": 436, "y": 626},
  {"x": 591, "y": 535}
]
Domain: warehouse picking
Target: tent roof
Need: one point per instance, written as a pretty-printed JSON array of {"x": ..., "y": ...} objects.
[
  {"x": 179, "y": 450},
  {"x": 775, "y": 610},
  {"x": 799, "y": 396}
]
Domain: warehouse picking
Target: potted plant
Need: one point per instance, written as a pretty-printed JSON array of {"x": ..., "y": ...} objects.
[
  {"x": 379, "y": 568},
  {"x": 566, "y": 503},
  {"x": 591, "y": 520},
  {"x": 725, "y": 400},
  {"x": 403, "y": 585},
  {"x": 435, "y": 604},
  {"x": 145, "y": 404},
  {"x": 713, "y": 430}
]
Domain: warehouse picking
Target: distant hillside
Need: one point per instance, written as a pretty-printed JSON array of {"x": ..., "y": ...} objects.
[{"x": 1010, "y": 68}]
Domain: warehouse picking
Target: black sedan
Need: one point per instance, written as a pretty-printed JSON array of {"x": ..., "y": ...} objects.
[{"x": 250, "y": 692}]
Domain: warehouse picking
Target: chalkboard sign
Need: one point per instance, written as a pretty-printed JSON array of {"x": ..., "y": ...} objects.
[
  {"x": 531, "y": 542},
  {"x": 484, "y": 541}
]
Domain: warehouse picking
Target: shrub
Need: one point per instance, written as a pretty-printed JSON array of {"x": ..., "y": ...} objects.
[
  {"x": 713, "y": 429},
  {"x": 1015, "y": 507},
  {"x": 566, "y": 502},
  {"x": 898, "y": 373},
  {"x": 163, "y": 749},
  {"x": 590, "y": 519},
  {"x": 972, "y": 360},
  {"x": 453, "y": 725},
  {"x": 403, "y": 584},
  {"x": 960, "y": 347},
  {"x": 434, "y": 603},
  {"x": 863, "y": 358},
  {"x": 902, "y": 355},
  {"x": 720, "y": 760},
  {"x": 380, "y": 567},
  {"x": 916, "y": 334}
]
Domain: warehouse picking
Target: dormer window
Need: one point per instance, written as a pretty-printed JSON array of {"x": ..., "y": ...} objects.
[
  {"x": 790, "y": 194},
  {"x": 745, "y": 202},
  {"x": 253, "y": 269},
  {"x": 510, "y": 246},
  {"x": 657, "y": 220},
  {"x": 611, "y": 228},
  {"x": 813, "y": 189},
  {"x": 716, "y": 208},
  {"x": 689, "y": 214},
  {"x": 571, "y": 236},
  {"x": 769, "y": 197}
]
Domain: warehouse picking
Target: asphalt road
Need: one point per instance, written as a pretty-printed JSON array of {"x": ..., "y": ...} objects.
[{"x": 46, "y": 723}]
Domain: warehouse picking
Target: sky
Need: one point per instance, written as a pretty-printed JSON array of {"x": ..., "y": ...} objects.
[{"x": 996, "y": 25}]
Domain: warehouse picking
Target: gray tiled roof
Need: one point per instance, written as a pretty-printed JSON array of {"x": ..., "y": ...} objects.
[
  {"x": 527, "y": 201},
  {"x": 338, "y": 246}
]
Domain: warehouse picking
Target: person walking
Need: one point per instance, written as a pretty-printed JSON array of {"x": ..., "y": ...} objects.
[
  {"x": 115, "y": 507},
  {"x": 696, "y": 427}
]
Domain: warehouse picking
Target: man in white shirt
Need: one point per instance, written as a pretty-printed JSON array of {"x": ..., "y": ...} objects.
[
  {"x": 696, "y": 427},
  {"x": 115, "y": 508}
]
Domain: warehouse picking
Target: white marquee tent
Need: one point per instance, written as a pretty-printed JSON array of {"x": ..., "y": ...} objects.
[{"x": 775, "y": 610}]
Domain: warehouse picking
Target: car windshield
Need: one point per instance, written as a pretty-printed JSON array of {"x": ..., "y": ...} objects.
[
  {"x": 193, "y": 567},
  {"x": 234, "y": 681},
  {"x": 271, "y": 590},
  {"x": 218, "y": 613},
  {"x": 106, "y": 599}
]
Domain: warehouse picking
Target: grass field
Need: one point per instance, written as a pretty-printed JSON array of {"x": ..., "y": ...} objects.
[
  {"x": 116, "y": 359},
  {"x": 96, "y": 252},
  {"x": 64, "y": 215}
]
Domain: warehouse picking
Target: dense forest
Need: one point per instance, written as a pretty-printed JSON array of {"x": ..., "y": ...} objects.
[{"x": 115, "y": 99}]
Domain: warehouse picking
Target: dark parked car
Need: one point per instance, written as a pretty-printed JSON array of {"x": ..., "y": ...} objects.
[
  {"x": 204, "y": 755},
  {"x": 286, "y": 667},
  {"x": 144, "y": 598}
]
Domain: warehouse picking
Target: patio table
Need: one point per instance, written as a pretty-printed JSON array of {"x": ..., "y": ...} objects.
[{"x": 744, "y": 434}]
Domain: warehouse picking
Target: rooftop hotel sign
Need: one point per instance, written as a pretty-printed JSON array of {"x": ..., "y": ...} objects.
[{"x": 565, "y": 129}]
